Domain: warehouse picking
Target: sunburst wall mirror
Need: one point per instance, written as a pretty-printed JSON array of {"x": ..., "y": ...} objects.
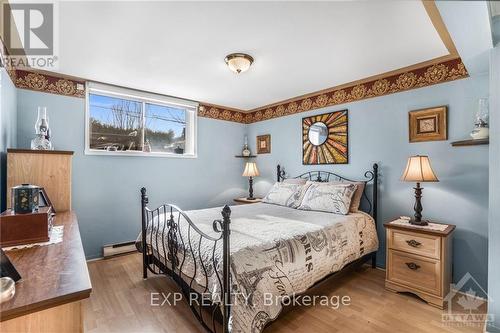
[{"x": 325, "y": 139}]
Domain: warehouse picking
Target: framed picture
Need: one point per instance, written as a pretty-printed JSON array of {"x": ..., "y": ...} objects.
[
  {"x": 264, "y": 144},
  {"x": 428, "y": 124},
  {"x": 325, "y": 139}
]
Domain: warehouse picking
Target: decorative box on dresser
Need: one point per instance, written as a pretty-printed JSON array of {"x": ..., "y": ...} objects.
[{"x": 419, "y": 260}]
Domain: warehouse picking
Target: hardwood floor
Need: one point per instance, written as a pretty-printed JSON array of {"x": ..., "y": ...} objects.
[{"x": 120, "y": 302}]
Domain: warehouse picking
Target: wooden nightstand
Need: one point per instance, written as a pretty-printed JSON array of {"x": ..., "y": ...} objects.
[
  {"x": 244, "y": 201},
  {"x": 419, "y": 261}
]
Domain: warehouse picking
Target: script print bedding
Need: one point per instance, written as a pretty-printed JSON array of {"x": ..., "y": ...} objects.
[{"x": 274, "y": 250}]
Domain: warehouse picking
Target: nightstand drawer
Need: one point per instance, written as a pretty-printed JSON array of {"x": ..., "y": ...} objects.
[
  {"x": 414, "y": 271},
  {"x": 417, "y": 243}
]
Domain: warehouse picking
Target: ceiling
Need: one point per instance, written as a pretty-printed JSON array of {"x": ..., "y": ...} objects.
[{"x": 178, "y": 48}]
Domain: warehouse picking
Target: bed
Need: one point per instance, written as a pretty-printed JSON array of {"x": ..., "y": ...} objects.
[{"x": 235, "y": 271}]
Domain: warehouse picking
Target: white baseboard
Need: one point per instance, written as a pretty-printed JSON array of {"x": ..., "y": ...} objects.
[{"x": 117, "y": 249}]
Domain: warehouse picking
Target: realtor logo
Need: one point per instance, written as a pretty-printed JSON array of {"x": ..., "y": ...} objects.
[
  {"x": 464, "y": 306},
  {"x": 29, "y": 32}
]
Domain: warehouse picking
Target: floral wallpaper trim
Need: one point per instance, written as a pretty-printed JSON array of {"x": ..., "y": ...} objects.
[
  {"x": 429, "y": 75},
  {"x": 49, "y": 84},
  {"x": 421, "y": 77},
  {"x": 221, "y": 113}
]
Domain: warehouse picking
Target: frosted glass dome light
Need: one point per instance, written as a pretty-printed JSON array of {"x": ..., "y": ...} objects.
[{"x": 238, "y": 62}]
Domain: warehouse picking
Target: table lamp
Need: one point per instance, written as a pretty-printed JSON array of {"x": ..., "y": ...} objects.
[
  {"x": 250, "y": 172},
  {"x": 418, "y": 170}
]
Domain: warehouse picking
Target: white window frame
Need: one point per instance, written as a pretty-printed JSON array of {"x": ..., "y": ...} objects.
[{"x": 144, "y": 98}]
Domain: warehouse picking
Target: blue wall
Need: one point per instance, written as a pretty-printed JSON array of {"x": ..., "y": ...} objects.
[
  {"x": 8, "y": 128},
  {"x": 106, "y": 188},
  {"x": 378, "y": 132},
  {"x": 494, "y": 218}
]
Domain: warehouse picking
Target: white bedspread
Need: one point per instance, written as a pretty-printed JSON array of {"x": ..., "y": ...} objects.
[{"x": 277, "y": 250}]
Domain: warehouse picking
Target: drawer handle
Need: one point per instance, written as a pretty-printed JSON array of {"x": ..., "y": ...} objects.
[
  {"x": 413, "y": 243},
  {"x": 412, "y": 266}
]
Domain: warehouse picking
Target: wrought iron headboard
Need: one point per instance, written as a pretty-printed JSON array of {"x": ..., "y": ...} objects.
[{"x": 326, "y": 176}]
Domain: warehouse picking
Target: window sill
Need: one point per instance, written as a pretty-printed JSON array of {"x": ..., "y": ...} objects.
[{"x": 137, "y": 154}]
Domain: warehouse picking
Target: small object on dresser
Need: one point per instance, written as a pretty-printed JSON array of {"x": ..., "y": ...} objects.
[
  {"x": 42, "y": 131},
  {"x": 7, "y": 289},
  {"x": 24, "y": 198},
  {"x": 418, "y": 169},
  {"x": 419, "y": 260},
  {"x": 7, "y": 269},
  {"x": 17, "y": 229}
]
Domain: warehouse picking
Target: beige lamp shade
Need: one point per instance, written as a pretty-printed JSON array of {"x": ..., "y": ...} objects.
[
  {"x": 419, "y": 170},
  {"x": 251, "y": 170}
]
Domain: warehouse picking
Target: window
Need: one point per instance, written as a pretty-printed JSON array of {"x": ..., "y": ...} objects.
[{"x": 127, "y": 122}]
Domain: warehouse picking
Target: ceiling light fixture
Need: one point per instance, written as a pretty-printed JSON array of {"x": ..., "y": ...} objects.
[{"x": 238, "y": 62}]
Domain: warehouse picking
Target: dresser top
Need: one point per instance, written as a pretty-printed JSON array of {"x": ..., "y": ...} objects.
[
  {"x": 444, "y": 231},
  {"x": 32, "y": 151},
  {"x": 52, "y": 275}
]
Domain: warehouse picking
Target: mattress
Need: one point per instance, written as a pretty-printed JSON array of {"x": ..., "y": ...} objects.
[{"x": 275, "y": 251}]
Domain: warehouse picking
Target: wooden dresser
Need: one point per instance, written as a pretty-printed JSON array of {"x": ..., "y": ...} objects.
[
  {"x": 54, "y": 281},
  {"x": 419, "y": 261},
  {"x": 50, "y": 169}
]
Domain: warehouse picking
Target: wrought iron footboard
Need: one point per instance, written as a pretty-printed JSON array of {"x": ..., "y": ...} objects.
[
  {"x": 181, "y": 240},
  {"x": 178, "y": 240}
]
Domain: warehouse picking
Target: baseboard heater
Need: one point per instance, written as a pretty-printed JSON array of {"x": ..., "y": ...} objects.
[{"x": 119, "y": 248}]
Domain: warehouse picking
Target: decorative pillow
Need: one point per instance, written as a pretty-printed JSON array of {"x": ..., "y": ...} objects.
[
  {"x": 300, "y": 181},
  {"x": 283, "y": 194},
  {"x": 356, "y": 198},
  {"x": 298, "y": 196},
  {"x": 328, "y": 197}
]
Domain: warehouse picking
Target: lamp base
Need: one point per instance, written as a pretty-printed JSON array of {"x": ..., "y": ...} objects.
[
  {"x": 252, "y": 198},
  {"x": 419, "y": 223}
]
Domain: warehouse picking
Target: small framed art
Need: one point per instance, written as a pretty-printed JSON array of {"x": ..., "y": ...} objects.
[
  {"x": 428, "y": 124},
  {"x": 264, "y": 144}
]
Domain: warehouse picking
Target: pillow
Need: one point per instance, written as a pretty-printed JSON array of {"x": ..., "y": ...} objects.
[
  {"x": 300, "y": 181},
  {"x": 356, "y": 198},
  {"x": 328, "y": 197},
  {"x": 283, "y": 194}
]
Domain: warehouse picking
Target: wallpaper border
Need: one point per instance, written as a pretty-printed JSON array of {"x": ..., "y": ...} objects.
[
  {"x": 384, "y": 84},
  {"x": 52, "y": 84},
  {"x": 441, "y": 72}
]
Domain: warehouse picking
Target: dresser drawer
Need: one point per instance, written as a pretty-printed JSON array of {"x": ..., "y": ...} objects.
[
  {"x": 417, "y": 243},
  {"x": 414, "y": 271}
]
